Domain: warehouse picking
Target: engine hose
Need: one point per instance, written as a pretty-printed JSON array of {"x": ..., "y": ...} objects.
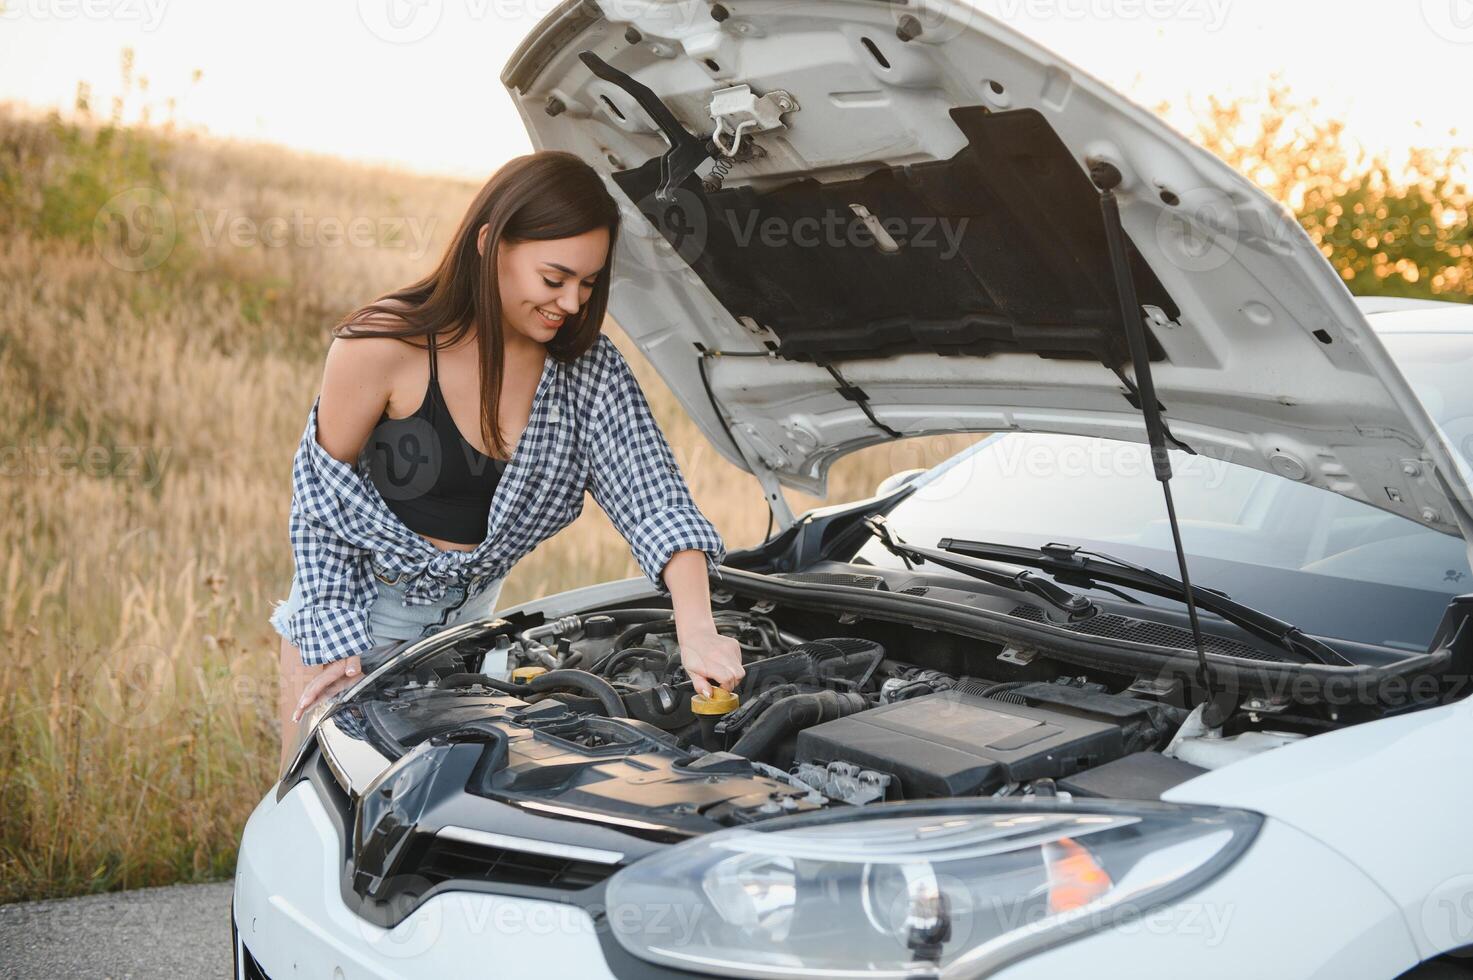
[
  {"x": 583, "y": 682},
  {"x": 1000, "y": 692},
  {"x": 792, "y": 713},
  {"x": 633, "y": 615},
  {"x": 732, "y": 620},
  {"x": 578, "y": 680},
  {"x": 610, "y": 667}
]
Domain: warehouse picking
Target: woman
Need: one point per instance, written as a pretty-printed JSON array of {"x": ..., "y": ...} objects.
[{"x": 401, "y": 524}]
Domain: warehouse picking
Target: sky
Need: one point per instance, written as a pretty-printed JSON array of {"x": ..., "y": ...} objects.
[{"x": 414, "y": 83}]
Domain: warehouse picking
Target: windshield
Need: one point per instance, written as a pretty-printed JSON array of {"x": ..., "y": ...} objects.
[
  {"x": 1438, "y": 364},
  {"x": 1331, "y": 565}
]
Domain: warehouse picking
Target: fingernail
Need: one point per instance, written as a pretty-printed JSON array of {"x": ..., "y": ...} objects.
[{"x": 352, "y": 670}]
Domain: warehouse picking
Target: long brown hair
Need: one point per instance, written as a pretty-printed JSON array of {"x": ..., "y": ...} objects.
[{"x": 543, "y": 195}]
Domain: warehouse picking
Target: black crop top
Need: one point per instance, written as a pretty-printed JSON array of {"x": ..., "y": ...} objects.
[{"x": 435, "y": 481}]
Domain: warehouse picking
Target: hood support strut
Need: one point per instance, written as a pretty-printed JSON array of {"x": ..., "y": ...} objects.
[
  {"x": 772, "y": 491},
  {"x": 1107, "y": 177}
]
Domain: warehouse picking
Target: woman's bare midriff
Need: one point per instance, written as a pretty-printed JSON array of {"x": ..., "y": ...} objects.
[{"x": 449, "y": 545}]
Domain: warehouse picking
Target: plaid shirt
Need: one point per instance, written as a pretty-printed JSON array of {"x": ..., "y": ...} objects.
[{"x": 590, "y": 429}]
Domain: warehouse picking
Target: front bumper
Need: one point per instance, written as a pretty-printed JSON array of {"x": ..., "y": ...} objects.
[
  {"x": 1290, "y": 908},
  {"x": 291, "y": 917}
]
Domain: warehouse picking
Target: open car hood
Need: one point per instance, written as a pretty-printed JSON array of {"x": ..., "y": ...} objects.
[{"x": 907, "y": 241}]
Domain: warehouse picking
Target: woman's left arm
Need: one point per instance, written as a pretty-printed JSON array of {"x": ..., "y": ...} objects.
[{"x": 634, "y": 478}]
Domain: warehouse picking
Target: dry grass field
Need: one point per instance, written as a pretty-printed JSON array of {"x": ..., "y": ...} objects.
[{"x": 153, "y": 400}]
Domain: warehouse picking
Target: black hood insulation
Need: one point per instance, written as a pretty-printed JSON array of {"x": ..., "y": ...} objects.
[{"x": 1001, "y": 250}]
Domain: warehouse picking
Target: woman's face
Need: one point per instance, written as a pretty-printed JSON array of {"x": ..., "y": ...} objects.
[{"x": 543, "y": 283}]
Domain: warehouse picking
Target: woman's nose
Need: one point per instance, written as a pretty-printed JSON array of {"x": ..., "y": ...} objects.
[{"x": 567, "y": 300}]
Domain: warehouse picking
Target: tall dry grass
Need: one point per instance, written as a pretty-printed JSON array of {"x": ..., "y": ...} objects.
[{"x": 150, "y": 418}]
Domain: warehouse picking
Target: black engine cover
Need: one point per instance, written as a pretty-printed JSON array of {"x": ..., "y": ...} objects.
[{"x": 957, "y": 743}]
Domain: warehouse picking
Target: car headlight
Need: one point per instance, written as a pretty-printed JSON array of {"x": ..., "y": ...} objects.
[{"x": 955, "y": 888}]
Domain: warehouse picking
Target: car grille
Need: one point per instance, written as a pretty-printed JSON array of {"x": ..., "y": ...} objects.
[
  {"x": 1112, "y": 627},
  {"x": 444, "y": 860}
]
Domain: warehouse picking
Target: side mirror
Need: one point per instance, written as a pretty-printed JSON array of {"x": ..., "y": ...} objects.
[{"x": 895, "y": 481}]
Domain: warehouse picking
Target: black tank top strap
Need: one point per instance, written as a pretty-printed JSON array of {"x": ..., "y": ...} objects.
[{"x": 433, "y": 397}]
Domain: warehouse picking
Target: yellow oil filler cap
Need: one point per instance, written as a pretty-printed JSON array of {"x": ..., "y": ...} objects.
[
  {"x": 719, "y": 703},
  {"x": 522, "y": 675},
  {"x": 708, "y": 711}
]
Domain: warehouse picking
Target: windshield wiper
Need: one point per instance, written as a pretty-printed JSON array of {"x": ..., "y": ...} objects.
[
  {"x": 1087, "y": 566},
  {"x": 1017, "y": 579}
]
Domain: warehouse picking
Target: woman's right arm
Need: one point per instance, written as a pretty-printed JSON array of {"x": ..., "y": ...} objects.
[{"x": 357, "y": 379}]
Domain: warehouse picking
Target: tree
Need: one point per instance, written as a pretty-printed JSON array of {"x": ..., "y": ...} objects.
[{"x": 1389, "y": 230}]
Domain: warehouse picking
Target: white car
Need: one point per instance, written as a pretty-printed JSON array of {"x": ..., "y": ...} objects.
[{"x": 985, "y": 728}]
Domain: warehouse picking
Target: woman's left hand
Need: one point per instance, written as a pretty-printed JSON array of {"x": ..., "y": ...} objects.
[{"x": 710, "y": 658}]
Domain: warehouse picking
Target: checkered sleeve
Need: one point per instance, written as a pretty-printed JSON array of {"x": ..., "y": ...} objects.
[
  {"x": 333, "y": 574},
  {"x": 634, "y": 477}
]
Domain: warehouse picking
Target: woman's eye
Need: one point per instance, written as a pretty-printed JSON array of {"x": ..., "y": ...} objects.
[{"x": 554, "y": 285}]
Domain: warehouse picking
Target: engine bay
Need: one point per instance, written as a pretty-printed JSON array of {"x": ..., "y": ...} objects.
[
  {"x": 543, "y": 751},
  {"x": 594, "y": 711}
]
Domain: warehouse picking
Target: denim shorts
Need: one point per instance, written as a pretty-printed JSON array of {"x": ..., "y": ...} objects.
[{"x": 391, "y": 621}]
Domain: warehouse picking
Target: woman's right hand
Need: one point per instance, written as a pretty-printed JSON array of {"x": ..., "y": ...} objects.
[{"x": 331, "y": 679}]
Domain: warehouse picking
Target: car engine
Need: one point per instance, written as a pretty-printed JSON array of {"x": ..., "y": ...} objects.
[{"x": 594, "y": 712}]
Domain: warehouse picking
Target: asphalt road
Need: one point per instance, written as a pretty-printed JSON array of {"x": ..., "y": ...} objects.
[{"x": 178, "y": 931}]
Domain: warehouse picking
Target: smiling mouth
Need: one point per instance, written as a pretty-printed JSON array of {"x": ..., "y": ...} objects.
[{"x": 551, "y": 319}]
